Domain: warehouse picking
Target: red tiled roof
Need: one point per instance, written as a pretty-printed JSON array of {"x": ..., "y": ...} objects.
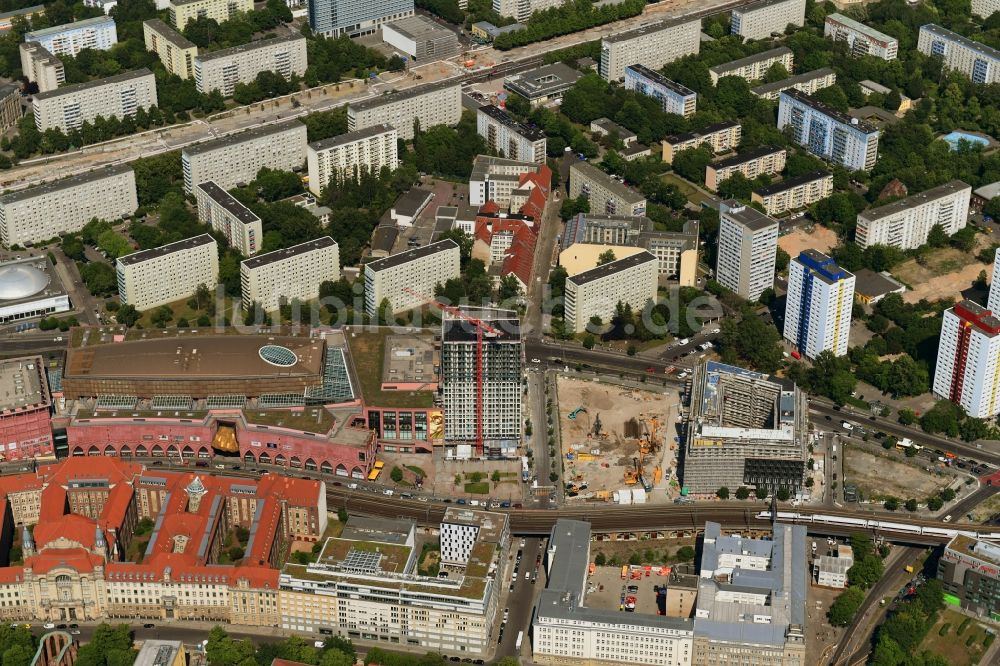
[
  {"x": 489, "y": 208},
  {"x": 297, "y": 492},
  {"x": 11, "y": 575},
  {"x": 77, "y": 559},
  {"x": 71, "y": 526}
]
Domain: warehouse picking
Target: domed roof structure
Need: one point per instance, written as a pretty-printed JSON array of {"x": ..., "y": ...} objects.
[{"x": 21, "y": 281}]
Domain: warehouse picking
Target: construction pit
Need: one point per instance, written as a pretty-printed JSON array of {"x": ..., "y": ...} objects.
[{"x": 617, "y": 443}]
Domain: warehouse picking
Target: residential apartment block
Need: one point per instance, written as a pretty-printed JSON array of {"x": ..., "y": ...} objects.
[
  {"x": 719, "y": 137},
  {"x": 408, "y": 279},
  {"x": 861, "y": 40},
  {"x": 968, "y": 360},
  {"x": 176, "y": 52},
  {"x": 221, "y": 210},
  {"x": 498, "y": 179},
  {"x": 291, "y": 273},
  {"x": 508, "y": 137},
  {"x": 754, "y": 67},
  {"x": 150, "y": 278},
  {"x": 596, "y": 292},
  {"x": 222, "y": 70},
  {"x": 182, "y": 11},
  {"x": 977, "y": 61},
  {"x": 521, "y": 10},
  {"x": 66, "y": 205},
  {"x": 993, "y": 301},
  {"x": 985, "y": 8},
  {"x": 421, "y": 38},
  {"x": 544, "y": 84},
  {"x": 653, "y": 45},
  {"x": 236, "y": 158},
  {"x": 766, "y": 159},
  {"x": 969, "y": 568},
  {"x": 40, "y": 66},
  {"x": 907, "y": 222},
  {"x": 67, "y": 108},
  {"x": 819, "y": 304},
  {"x": 10, "y": 105},
  {"x": 333, "y": 18},
  {"x": 828, "y": 133},
  {"x": 607, "y": 196},
  {"x": 807, "y": 83},
  {"x": 672, "y": 96},
  {"x": 794, "y": 193},
  {"x": 430, "y": 104},
  {"x": 761, "y": 19},
  {"x": 748, "y": 245},
  {"x": 97, "y": 33},
  {"x": 350, "y": 154}
]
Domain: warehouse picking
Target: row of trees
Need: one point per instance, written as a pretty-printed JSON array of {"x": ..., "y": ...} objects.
[
  {"x": 863, "y": 574},
  {"x": 571, "y": 17}
]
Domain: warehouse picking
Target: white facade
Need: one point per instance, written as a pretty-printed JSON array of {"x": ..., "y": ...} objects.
[
  {"x": 607, "y": 196},
  {"x": 408, "y": 279},
  {"x": 63, "y": 206},
  {"x": 151, "y": 278},
  {"x": 523, "y": 9},
  {"x": 292, "y": 273},
  {"x": 807, "y": 83},
  {"x": 794, "y": 193},
  {"x": 430, "y": 104},
  {"x": 819, "y": 304},
  {"x": 760, "y": 20},
  {"x": 753, "y": 68},
  {"x": 827, "y": 133},
  {"x": 220, "y": 210},
  {"x": 861, "y": 39},
  {"x": 977, "y": 61},
  {"x": 748, "y": 246},
  {"x": 495, "y": 179},
  {"x": 673, "y": 97},
  {"x": 369, "y": 150},
  {"x": 985, "y": 8},
  {"x": 508, "y": 137},
  {"x": 906, "y": 223},
  {"x": 597, "y": 292},
  {"x": 968, "y": 361},
  {"x": 222, "y": 70},
  {"x": 994, "y": 300},
  {"x": 67, "y": 108},
  {"x": 652, "y": 45},
  {"x": 236, "y": 158},
  {"x": 40, "y": 66},
  {"x": 333, "y": 18},
  {"x": 97, "y": 33}
]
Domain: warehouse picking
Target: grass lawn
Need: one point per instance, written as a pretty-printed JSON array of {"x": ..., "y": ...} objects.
[
  {"x": 182, "y": 311},
  {"x": 419, "y": 471},
  {"x": 692, "y": 193},
  {"x": 481, "y": 488},
  {"x": 953, "y": 647},
  {"x": 367, "y": 352}
]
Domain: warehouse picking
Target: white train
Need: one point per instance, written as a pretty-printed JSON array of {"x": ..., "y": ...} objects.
[{"x": 874, "y": 525}]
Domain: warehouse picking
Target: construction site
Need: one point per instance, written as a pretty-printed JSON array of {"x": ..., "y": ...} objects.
[{"x": 618, "y": 444}]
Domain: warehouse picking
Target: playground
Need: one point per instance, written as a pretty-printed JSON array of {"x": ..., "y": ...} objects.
[{"x": 617, "y": 443}]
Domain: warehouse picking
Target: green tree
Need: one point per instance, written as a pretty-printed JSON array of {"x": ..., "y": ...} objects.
[
  {"x": 910, "y": 505},
  {"x": 342, "y": 515},
  {"x": 742, "y": 493},
  {"x": 127, "y": 315},
  {"x": 722, "y": 493},
  {"x": 685, "y": 553},
  {"x": 396, "y": 474},
  {"x": 606, "y": 257},
  {"x": 845, "y": 607},
  {"x": 588, "y": 341}
]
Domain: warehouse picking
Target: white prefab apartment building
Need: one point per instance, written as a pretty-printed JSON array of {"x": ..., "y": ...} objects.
[
  {"x": 292, "y": 273},
  {"x": 607, "y": 196},
  {"x": 523, "y": 9},
  {"x": 819, "y": 304},
  {"x": 968, "y": 360},
  {"x": 748, "y": 245},
  {"x": 430, "y": 104},
  {"x": 861, "y": 39},
  {"x": 794, "y": 193},
  {"x": 994, "y": 298},
  {"x": 807, "y": 83},
  {"x": 240, "y": 225},
  {"x": 176, "y": 52},
  {"x": 352, "y": 153},
  {"x": 508, "y": 137},
  {"x": 977, "y": 61},
  {"x": 753, "y": 68},
  {"x": 985, "y": 8},
  {"x": 236, "y": 159},
  {"x": 97, "y": 33},
  {"x": 672, "y": 96},
  {"x": 222, "y": 70},
  {"x": 597, "y": 292},
  {"x": 652, "y": 45},
  {"x": 408, "y": 279},
  {"x": 67, "y": 108},
  {"x": 828, "y": 133},
  {"x": 906, "y": 223},
  {"x": 719, "y": 137},
  {"x": 66, "y": 205},
  {"x": 40, "y": 66},
  {"x": 496, "y": 179},
  {"x": 760, "y": 20},
  {"x": 151, "y": 278},
  {"x": 766, "y": 159},
  {"x": 182, "y": 11}
]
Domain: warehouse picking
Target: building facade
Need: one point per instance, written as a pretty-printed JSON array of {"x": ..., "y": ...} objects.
[
  {"x": 672, "y": 96},
  {"x": 430, "y": 104},
  {"x": 719, "y": 137},
  {"x": 907, "y": 223},
  {"x": 861, "y": 40},
  {"x": 182, "y": 11},
  {"x": 969, "y": 571},
  {"x": 10, "y": 105},
  {"x": 40, "y": 66},
  {"x": 652, "y": 45},
  {"x": 408, "y": 279},
  {"x": 748, "y": 246},
  {"x": 66, "y": 205},
  {"x": 25, "y": 408},
  {"x": 176, "y": 52},
  {"x": 350, "y": 154},
  {"x": 985, "y": 8},
  {"x": 499, "y": 180},
  {"x": 794, "y": 193},
  {"x": 221, "y": 210},
  {"x": 222, "y": 70},
  {"x": 292, "y": 273},
  {"x": 977, "y": 61},
  {"x": 68, "y": 107},
  {"x": 508, "y": 137},
  {"x": 818, "y": 305},
  {"x": 521, "y": 10},
  {"x": 606, "y": 195},
  {"x": 993, "y": 301},
  {"x": 753, "y": 68},
  {"x": 421, "y": 38},
  {"x": 763, "y": 160},
  {"x": 235, "y": 159},
  {"x": 97, "y": 33},
  {"x": 828, "y": 133},
  {"x": 151, "y": 278},
  {"x": 30, "y": 288},
  {"x": 968, "y": 360},
  {"x": 333, "y": 18},
  {"x": 598, "y": 291},
  {"x": 761, "y": 19},
  {"x": 807, "y": 83}
]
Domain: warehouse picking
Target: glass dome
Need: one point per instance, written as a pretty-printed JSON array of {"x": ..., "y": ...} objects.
[
  {"x": 283, "y": 357},
  {"x": 21, "y": 281}
]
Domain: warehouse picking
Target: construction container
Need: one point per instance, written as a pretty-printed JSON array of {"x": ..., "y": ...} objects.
[{"x": 638, "y": 496}]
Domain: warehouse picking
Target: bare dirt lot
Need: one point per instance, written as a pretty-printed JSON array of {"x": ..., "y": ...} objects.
[
  {"x": 876, "y": 476},
  {"x": 817, "y": 237},
  {"x": 944, "y": 273},
  {"x": 624, "y": 414}
]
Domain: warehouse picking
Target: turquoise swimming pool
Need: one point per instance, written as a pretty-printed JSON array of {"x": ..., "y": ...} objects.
[{"x": 953, "y": 139}]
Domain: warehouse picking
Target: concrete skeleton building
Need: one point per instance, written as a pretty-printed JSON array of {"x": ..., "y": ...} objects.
[
  {"x": 794, "y": 193},
  {"x": 349, "y": 155},
  {"x": 720, "y": 137},
  {"x": 25, "y": 404},
  {"x": 906, "y": 223},
  {"x": 333, "y": 18},
  {"x": 236, "y": 158},
  {"x": 40, "y": 66},
  {"x": 68, "y": 107},
  {"x": 969, "y": 571},
  {"x": 430, "y": 104},
  {"x": 754, "y": 67},
  {"x": 499, "y": 180},
  {"x": 150, "y": 278},
  {"x": 222, "y": 70},
  {"x": 176, "y": 52},
  {"x": 292, "y": 273},
  {"x": 30, "y": 288},
  {"x": 819, "y": 304},
  {"x": 97, "y": 33},
  {"x": 673, "y": 97},
  {"x": 653, "y": 45},
  {"x": 861, "y": 40},
  {"x": 66, "y": 205},
  {"x": 606, "y": 195},
  {"x": 975, "y": 60},
  {"x": 828, "y": 133},
  {"x": 598, "y": 291},
  {"x": 748, "y": 246},
  {"x": 225, "y": 214},
  {"x": 544, "y": 84},
  {"x": 762, "y": 160},
  {"x": 508, "y": 137},
  {"x": 421, "y": 38},
  {"x": 182, "y": 11},
  {"x": 761, "y": 19},
  {"x": 408, "y": 279},
  {"x": 807, "y": 83},
  {"x": 968, "y": 359}
]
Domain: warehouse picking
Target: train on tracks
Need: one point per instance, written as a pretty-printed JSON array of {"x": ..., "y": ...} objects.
[{"x": 877, "y": 525}]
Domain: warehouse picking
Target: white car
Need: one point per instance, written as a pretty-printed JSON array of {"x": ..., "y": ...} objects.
[
  {"x": 683, "y": 342},
  {"x": 536, "y": 360},
  {"x": 846, "y": 425},
  {"x": 318, "y": 644},
  {"x": 48, "y": 625}
]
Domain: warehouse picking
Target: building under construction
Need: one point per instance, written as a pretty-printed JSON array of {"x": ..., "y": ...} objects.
[
  {"x": 744, "y": 429},
  {"x": 481, "y": 359}
]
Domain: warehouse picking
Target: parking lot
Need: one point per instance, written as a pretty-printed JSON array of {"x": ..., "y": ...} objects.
[{"x": 605, "y": 590}]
